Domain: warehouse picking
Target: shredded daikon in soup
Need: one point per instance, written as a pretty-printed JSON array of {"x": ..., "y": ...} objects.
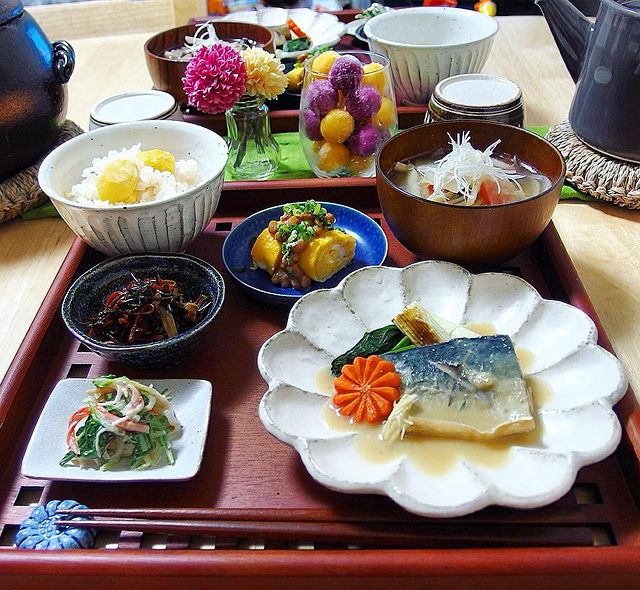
[
  {"x": 462, "y": 170},
  {"x": 469, "y": 176}
]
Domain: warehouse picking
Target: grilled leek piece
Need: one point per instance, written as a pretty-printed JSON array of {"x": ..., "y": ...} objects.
[{"x": 423, "y": 327}]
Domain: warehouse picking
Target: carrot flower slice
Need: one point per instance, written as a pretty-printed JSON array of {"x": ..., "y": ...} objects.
[{"x": 367, "y": 389}]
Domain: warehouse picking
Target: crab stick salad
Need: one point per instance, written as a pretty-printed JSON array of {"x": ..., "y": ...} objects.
[{"x": 122, "y": 420}]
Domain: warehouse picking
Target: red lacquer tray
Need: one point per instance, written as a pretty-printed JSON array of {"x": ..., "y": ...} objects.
[{"x": 589, "y": 538}]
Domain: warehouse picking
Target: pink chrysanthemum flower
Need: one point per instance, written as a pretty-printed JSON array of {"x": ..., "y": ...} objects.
[{"x": 215, "y": 78}]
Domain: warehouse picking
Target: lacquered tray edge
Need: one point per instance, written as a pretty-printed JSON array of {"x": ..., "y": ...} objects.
[{"x": 24, "y": 356}]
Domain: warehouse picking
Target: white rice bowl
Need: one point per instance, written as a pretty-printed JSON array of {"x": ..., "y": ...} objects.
[
  {"x": 153, "y": 185},
  {"x": 169, "y": 224}
]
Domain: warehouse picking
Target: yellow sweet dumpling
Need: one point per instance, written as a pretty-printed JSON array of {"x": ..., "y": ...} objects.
[
  {"x": 302, "y": 246},
  {"x": 374, "y": 75},
  {"x": 323, "y": 62}
]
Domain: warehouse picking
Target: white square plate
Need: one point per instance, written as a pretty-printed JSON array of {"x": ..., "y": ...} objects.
[{"x": 191, "y": 399}]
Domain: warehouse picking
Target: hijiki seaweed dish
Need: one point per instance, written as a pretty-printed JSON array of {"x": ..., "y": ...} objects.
[{"x": 146, "y": 310}]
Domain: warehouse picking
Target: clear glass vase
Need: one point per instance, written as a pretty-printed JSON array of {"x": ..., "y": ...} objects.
[{"x": 254, "y": 153}]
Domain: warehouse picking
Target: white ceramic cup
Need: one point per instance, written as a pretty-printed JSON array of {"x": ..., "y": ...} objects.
[{"x": 426, "y": 45}]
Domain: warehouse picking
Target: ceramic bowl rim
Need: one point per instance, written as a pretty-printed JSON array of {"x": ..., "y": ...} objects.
[
  {"x": 71, "y": 322},
  {"x": 554, "y": 184},
  {"x": 431, "y": 11},
  {"x": 56, "y": 155}
]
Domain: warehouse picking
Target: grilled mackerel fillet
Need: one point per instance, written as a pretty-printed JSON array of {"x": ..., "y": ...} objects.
[{"x": 469, "y": 388}]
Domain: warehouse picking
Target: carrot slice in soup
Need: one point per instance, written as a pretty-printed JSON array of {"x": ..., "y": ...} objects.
[{"x": 367, "y": 389}]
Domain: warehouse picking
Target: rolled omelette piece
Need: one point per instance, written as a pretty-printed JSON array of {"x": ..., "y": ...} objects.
[
  {"x": 322, "y": 257},
  {"x": 325, "y": 255},
  {"x": 266, "y": 252}
]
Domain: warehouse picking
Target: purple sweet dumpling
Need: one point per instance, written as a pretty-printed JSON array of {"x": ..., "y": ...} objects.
[
  {"x": 363, "y": 102},
  {"x": 346, "y": 73},
  {"x": 311, "y": 124},
  {"x": 364, "y": 140},
  {"x": 321, "y": 97}
]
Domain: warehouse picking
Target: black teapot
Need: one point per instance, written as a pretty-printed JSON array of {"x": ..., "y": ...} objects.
[{"x": 33, "y": 94}]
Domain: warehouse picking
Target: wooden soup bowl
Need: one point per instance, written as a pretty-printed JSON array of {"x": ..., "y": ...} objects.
[
  {"x": 167, "y": 73},
  {"x": 462, "y": 234}
]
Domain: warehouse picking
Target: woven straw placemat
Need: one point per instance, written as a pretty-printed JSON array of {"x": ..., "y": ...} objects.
[
  {"x": 21, "y": 192},
  {"x": 595, "y": 174}
]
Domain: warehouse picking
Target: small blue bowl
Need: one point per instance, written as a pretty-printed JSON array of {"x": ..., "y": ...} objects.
[
  {"x": 371, "y": 250},
  {"x": 86, "y": 296}
]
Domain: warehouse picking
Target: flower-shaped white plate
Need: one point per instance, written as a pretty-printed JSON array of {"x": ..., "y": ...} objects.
[
  {"x": 575, "y": 423},
  {"x": 324, "y": 30},
  {"x": 191, "y": 400}
]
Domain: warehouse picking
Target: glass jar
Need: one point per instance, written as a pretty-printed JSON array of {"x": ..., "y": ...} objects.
[
  {"x": 347, "y": 111},
  {"x": 254, "y": 153}
]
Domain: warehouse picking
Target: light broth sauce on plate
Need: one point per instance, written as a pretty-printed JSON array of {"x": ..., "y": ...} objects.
[{"x": 434, "y": 455}]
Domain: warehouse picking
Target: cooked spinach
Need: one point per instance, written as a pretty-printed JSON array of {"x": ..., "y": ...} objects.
[
  {"x": 375, "y": 342},
  {"x": 299, "y": 44}
]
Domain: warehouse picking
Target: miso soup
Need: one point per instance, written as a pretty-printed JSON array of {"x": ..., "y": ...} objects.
[{"x": 468, "y": 176}]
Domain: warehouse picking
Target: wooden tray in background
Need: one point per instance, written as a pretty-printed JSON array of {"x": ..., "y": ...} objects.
[{"x": 589, "y": 537}]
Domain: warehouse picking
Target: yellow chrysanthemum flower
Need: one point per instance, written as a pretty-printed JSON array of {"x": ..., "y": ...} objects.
[{"x": 265, "y": 73}]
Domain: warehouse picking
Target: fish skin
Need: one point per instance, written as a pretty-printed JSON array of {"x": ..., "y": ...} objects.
[{"x": 443, "y": 376}]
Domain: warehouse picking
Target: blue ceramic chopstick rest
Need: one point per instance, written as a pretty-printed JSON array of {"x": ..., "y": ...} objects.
[{"x": 40, "y": 530}]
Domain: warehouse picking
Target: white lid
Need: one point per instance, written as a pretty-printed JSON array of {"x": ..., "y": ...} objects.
[
  {"x": 477, "y": 90},
  {"x": 139, "y": 105}
]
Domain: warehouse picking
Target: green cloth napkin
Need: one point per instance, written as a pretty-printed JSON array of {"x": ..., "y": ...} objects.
[
  {"x": 46, "y": 210},
  {"x": 293, "y": 164},
  {"x": 567, "y": 192}
]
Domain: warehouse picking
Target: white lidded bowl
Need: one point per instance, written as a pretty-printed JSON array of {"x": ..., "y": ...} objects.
[
  {"x": 426, "y": 45},
  {"x": 166, "y": 225}
]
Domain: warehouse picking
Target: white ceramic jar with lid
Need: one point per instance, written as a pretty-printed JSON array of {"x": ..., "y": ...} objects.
[
  {"x": 477, "y": 96},
  {"x": 139, "y": 105}
]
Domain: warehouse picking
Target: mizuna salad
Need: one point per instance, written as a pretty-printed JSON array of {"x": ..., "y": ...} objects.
[{"x": 122, "y": 420}]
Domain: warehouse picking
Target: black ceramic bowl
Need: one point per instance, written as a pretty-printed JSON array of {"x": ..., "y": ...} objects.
[{"x": 86, "y": 297}]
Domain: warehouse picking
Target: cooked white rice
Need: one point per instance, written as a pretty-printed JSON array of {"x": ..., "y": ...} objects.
[{"x": 153, "y": 185}]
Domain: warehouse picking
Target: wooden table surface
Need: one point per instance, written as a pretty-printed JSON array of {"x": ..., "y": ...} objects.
[{"x": 603, "y": 240}]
